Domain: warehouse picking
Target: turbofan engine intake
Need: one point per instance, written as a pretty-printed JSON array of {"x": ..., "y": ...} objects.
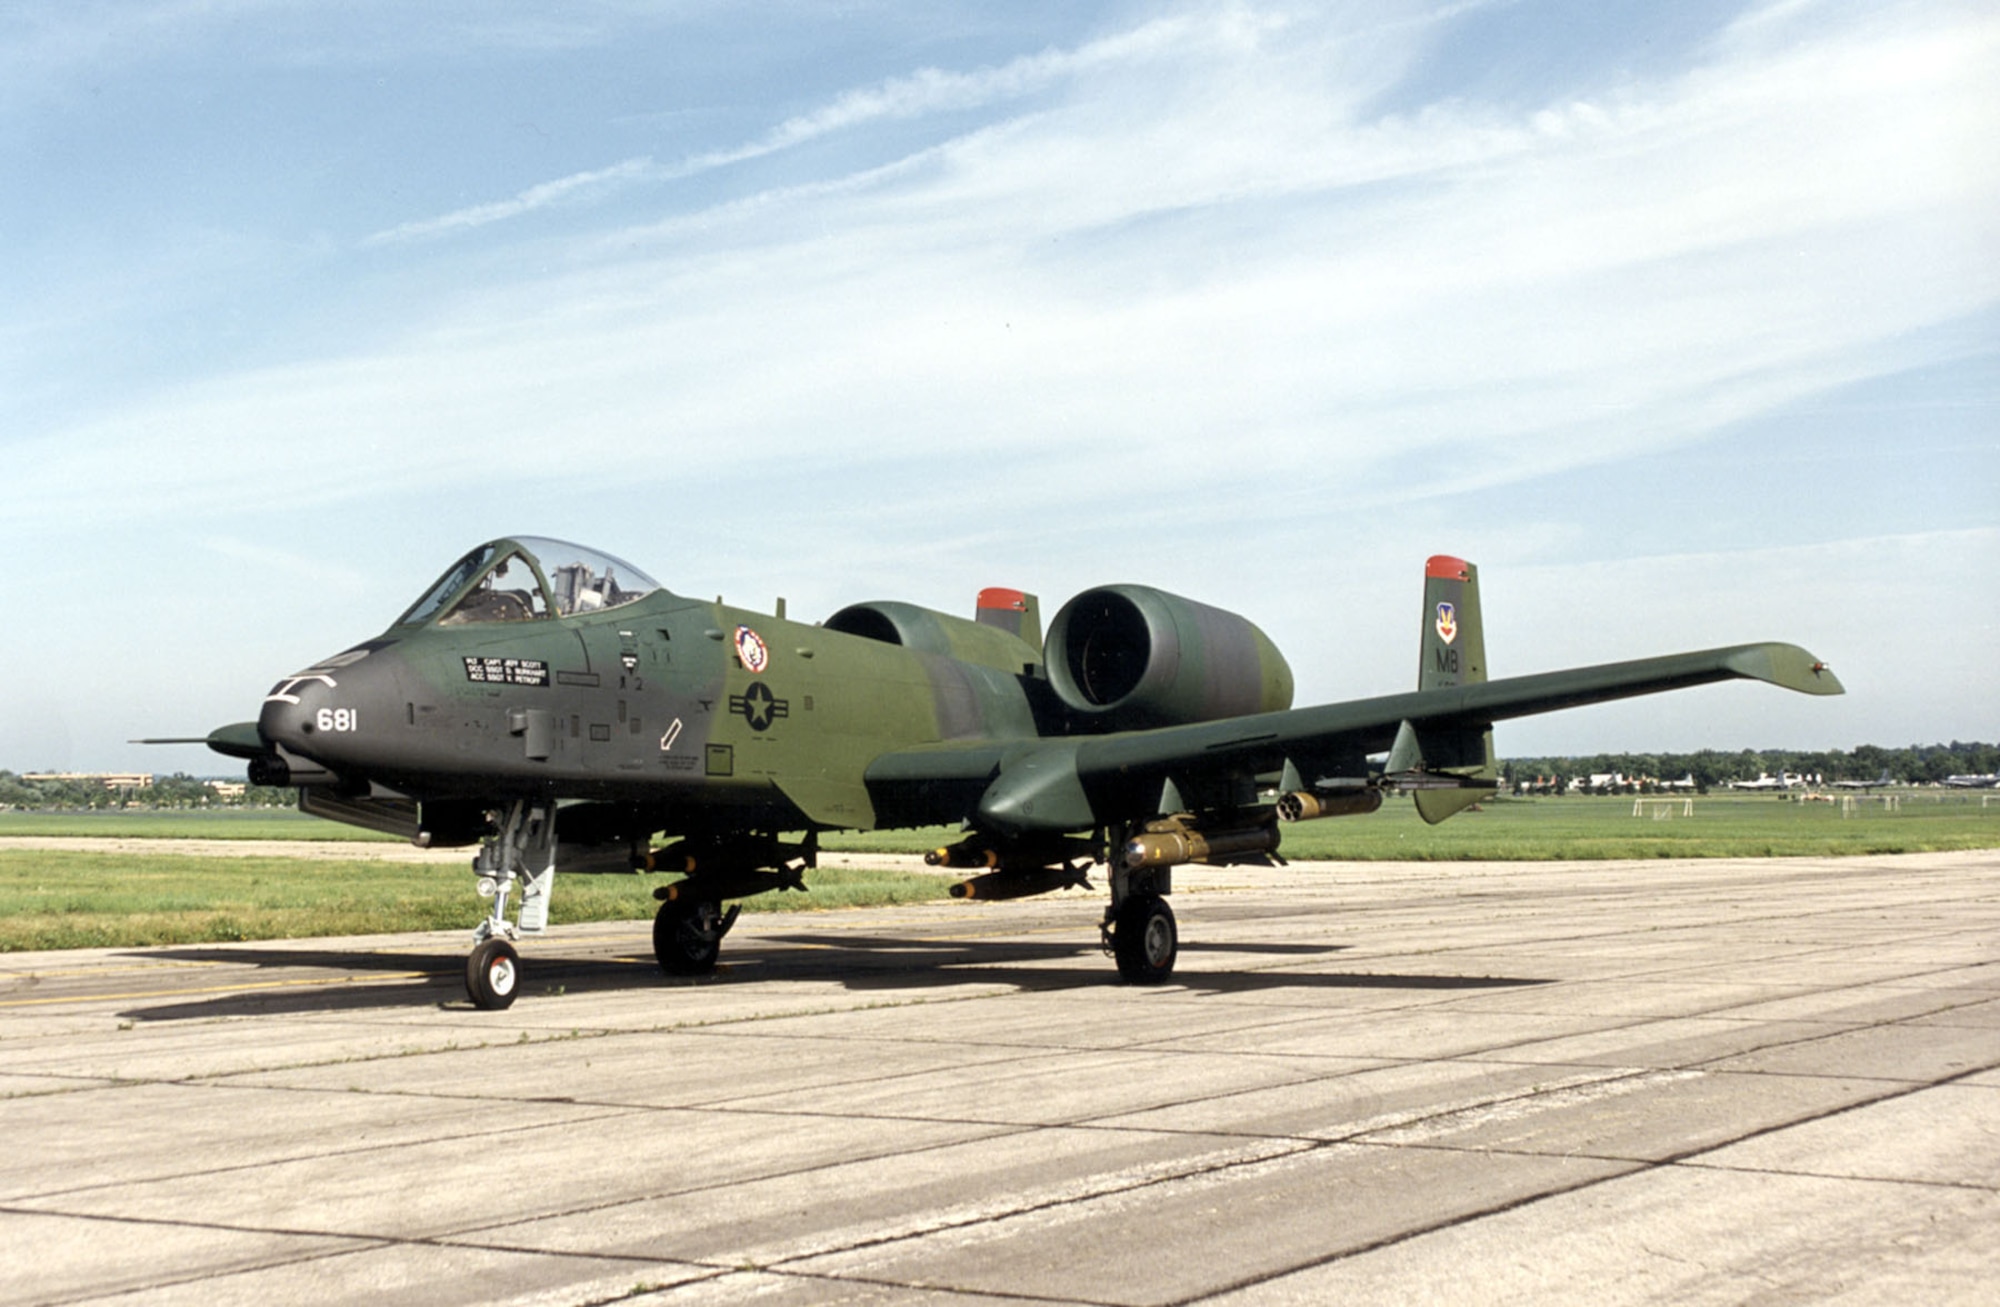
[{"x": 1127, "y": 657}]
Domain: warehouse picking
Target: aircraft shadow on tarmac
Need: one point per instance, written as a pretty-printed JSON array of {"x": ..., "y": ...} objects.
[{"x": 857, "y": 962}]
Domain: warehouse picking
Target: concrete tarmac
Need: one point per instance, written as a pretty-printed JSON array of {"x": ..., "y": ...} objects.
[{"x": 1644, "y": 1082}]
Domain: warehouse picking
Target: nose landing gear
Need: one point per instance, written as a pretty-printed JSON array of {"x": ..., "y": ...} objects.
[{"x": 522, "y": 851}]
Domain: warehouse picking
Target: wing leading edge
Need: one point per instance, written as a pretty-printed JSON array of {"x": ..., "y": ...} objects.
[{"x": 1076, "y": 783}]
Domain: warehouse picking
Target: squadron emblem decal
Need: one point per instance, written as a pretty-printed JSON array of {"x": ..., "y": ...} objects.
[
  {"x": 751, "y": 650},
  {"x": 1447, "y": 624}
]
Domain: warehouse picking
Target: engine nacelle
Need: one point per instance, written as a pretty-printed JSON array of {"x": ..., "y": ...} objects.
[
  {"x": 1126, "y": 657},
  {"x": 888, "y": 622}
]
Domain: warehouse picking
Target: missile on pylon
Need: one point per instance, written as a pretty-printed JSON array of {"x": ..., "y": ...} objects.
[
  {"x": 1171, "y": 842},
  {"x": 965, "y": 853},
  {"x": 692, "y": 857},
  {"x": 719, "y": 885},
  {"x": 1032, "y": 855}
]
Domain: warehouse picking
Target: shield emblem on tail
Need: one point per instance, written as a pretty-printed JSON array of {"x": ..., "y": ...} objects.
[{"x": 1447, "y": 623}]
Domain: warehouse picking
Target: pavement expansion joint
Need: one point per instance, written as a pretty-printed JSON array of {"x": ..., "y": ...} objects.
[
  {"x": 1894, "y": 1181},
  {"x": 1096, "y": 1189},
  {"x": 1419, "y": 1230}
]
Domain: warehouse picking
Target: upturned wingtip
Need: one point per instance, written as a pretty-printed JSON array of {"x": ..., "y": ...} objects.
[{"x": 1786, "y": 665}]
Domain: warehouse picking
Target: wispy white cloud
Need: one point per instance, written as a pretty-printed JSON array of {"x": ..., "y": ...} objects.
[
  {"x": 564, "y": 190},
  {"x": 927, "y": 92},
  {"x": 934, "y": 90}
]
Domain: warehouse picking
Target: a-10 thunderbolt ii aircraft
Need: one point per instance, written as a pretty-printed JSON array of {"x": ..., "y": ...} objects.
[{"x": 541, "y": 697}]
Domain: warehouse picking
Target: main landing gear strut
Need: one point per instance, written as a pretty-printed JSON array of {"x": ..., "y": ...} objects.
[
  {"x": 1140, "y": 933},
  {"x": 1138, "y": 928},
  {"x": 687, "y": 935},
  {"x": 688, "y": 931}
]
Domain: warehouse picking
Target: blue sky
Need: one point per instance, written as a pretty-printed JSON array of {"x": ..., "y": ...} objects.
[{"x": 1682, "y": 321}]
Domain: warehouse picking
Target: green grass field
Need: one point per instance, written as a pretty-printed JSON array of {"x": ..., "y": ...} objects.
[
  {"x": 74, "y": 898},
  {"x": 81, "y": 899},
  {"x": 1721, "y": 826},
  {"x": 187, "y": 824}
]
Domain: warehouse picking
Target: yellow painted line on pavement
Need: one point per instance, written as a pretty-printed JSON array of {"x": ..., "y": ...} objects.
[
  {"x": 216, "y": 989},
  {"x": 114, "y": 971}
]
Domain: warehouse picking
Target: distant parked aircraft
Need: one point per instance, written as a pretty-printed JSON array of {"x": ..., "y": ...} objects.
[
  {"x": 1879, "y": 783},
  {"x": 1986, "y": 782},
  {"x": 1782, "y": 781}
]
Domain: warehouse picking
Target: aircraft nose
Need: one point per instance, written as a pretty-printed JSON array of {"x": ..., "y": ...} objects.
[
  {"x": 323, "y": 714},
  {"x": 291, "y": 712}
]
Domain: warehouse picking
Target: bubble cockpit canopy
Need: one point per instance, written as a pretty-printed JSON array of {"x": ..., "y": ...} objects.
[{"x": 526, "y": 579}]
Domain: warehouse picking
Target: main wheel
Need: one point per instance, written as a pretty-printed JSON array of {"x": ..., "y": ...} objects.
[
  {"x": 686, "y": 938},
  {"x": 493, "y": 974},
  {"x": 1145, "y": 940}
]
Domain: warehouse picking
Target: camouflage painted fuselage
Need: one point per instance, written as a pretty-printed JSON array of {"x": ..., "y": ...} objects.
[{"x": 701, "y": 712}]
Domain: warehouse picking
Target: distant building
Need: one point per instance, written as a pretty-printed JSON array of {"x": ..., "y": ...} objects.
[{"x": 114, "y": 780}]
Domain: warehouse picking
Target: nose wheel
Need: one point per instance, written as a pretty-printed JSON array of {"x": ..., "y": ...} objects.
[{"x": 493, "y": 974}]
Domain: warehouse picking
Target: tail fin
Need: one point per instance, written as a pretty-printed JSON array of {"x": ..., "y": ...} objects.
[
  {"x": 1454, "y": 654},
  {"x": 1454, "y": 643}
]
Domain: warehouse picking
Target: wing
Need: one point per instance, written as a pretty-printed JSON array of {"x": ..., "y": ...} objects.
[{"x": 1079, "y": 783}]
